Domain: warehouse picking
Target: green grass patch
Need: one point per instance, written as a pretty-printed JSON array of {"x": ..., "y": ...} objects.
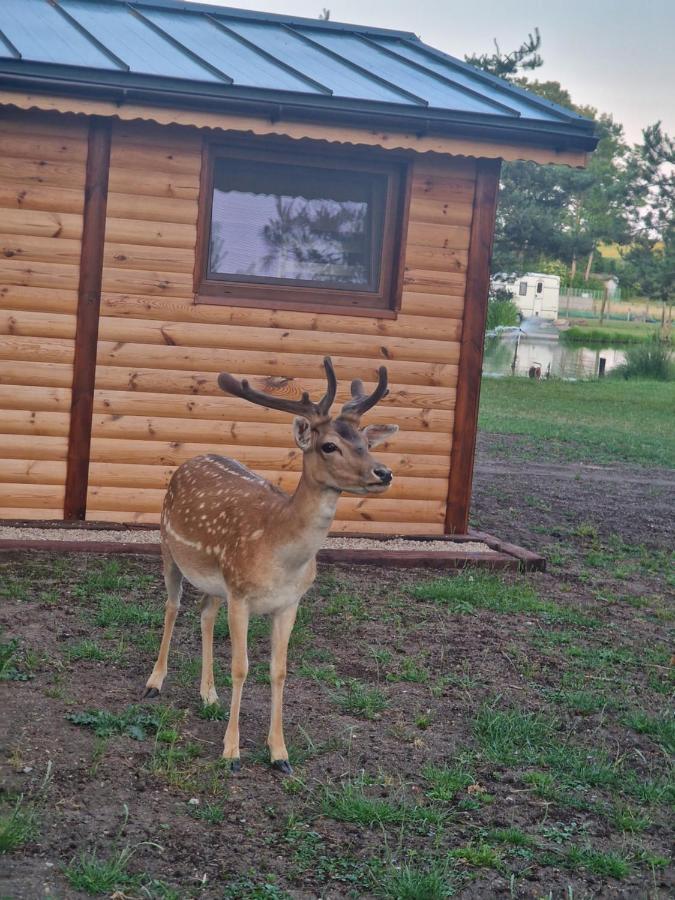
[
  {"x": 212, "y": 712},
  {"x": 411, "y": 670},
  {"x": 96, "y": 875},
  {"x": 408, "y": 882},
  {"x": 477, "y": 856},
  {"x": 512, "y": 836},
  {"x": 361, "y": 700},
  {"x": 600, "y": 421},
  {"x": 659, "y": 727},
  {"x": 616, "y": 333},
  {"x": 212, "y": 813},
  {"x": 88, "y": 649},
  {"x": 446, "y": 783},
  {"x": 609, "y": 864},
  {"x": 106, "y": 576},
  {"x": 254, "y": 887},
  {"x": 114, "y": 611},
  {"x": 584, "y": 702},
  {"x": 510, "y": 737},
  {"x": 470, "y": 591},
  {"x": 351, "y": 804},
  {"x": 135, "y": 721},
  {"x": 17, "y": 827},
  {"x": 9, "y": 662}
]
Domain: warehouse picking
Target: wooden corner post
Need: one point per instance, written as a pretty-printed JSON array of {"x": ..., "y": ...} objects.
[
  {"x": 471, "y": 349},
  {"x": 88, "y": 308}
]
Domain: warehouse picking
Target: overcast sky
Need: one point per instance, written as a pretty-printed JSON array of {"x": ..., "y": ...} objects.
[{"x": 616, "y": 55}]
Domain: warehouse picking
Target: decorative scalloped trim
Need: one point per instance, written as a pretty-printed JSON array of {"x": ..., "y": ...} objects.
[{"x": 335, "y": 135}]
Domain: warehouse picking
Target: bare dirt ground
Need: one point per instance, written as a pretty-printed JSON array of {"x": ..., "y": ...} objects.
[{"x": 471, "y": 736}]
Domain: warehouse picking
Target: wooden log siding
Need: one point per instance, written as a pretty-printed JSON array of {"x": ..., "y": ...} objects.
[
  {"x": 157, "y": 402},
  {"x": 42, "y": 175}
]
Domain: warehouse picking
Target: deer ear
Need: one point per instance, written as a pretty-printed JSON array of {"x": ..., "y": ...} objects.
[
  {"x": 302, "y": 432},
  {"x": 378, "y": 434}
]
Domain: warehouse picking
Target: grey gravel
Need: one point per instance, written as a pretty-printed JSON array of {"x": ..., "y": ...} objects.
[{"x": 151, "y": 536}]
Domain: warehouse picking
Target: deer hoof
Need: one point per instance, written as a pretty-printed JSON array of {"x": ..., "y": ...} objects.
[
  {"x": 151, "y": 693},
  {"x": 235, "y": 766},
  {"x": 283, "y": 766}
]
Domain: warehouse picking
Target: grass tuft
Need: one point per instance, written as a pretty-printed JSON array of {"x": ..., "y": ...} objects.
[
  {"x": 135, "y": 721},
  {"x": 509, "y": 737},
  {"x": 17, "y": 827},
  {"x": 599, "y": 863},
  {"x": 410, "y": 883},
  {"x": 351, "y": 804},
  {"x": 660, "y": 727},
  {"x": 362, "y": 701}
]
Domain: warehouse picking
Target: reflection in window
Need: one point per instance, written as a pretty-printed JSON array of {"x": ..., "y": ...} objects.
[{"x": 284, "y": 223}]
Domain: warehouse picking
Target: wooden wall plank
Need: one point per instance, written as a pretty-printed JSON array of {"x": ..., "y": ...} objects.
[
  {"x": 15, "y": 195},
  {"x": 183, "y": 309},
  {"x": 42, "y": 166},
  {"x": 42, "y": 223},
  {"x": 471, "y": 360},
  {"x": 38, "y": 397},
  {"x": 173, "y": 453}
]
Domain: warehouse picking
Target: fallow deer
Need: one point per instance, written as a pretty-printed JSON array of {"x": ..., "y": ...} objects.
[{"x": 238, "y": 538}]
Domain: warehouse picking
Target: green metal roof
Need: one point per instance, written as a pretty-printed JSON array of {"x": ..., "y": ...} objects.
[{"x": 194, "y": 54}]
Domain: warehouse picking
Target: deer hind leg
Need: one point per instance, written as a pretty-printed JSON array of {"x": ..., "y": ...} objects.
[
  {"x": 282, "y": 626},
  {"x": 237, "y": 618},
  {"x": 174, "y": 589},
  {"x": 210, "y": 607}
]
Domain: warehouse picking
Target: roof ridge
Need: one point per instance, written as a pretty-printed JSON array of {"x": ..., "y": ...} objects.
[{"x": 234, "y": 12}]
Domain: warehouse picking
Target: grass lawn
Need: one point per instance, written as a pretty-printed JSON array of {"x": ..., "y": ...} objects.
[
  {"x": 600, "y": 421},
  {"x": 466, "y": 735},
  {"x": 611, "y": 332}
]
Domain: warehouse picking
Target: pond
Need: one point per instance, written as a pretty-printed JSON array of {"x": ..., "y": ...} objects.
[{"x": 536, "y": 343}]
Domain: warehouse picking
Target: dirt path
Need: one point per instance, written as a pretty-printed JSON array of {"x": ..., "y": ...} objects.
[{"x": 536, "y": 503}]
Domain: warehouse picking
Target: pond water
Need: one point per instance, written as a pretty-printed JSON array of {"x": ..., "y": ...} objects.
[{"x": 537, "y": 343}]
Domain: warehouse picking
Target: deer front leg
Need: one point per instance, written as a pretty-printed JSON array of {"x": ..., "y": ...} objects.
[
  {"x": 174, "y": 588},
  {"x": 237, "y": 617},
  {"x": 210, "y": 607},
  {"x": 282, "y": 626}
]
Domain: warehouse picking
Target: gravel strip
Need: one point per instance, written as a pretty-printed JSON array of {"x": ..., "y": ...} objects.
[{"x": 151, "y": 536}]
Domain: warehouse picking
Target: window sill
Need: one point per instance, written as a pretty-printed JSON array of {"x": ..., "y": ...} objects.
[{"x": 328, "y": 308}]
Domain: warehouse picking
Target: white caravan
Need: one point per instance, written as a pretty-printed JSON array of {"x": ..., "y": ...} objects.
[{"x": 536, "y": 294}]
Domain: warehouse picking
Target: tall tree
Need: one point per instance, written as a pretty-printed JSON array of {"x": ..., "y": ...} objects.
[
  {"x": 554, "y": 212},
  {"x": 650, "y": 260}
]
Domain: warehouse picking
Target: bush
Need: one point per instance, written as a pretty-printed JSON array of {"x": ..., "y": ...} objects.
[
  {"x": 501, "y": 311},
  {"x": 652, "y": 359}
]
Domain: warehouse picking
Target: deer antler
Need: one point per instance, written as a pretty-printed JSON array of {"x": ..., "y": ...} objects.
[
  {"x": 303, "y": 407},
  {"x": 361, "y": 402}
]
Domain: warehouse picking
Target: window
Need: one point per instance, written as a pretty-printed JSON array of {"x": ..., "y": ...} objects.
[
  {"x": 522, "y": 289},
  {"x": 289, "y": 229},
  {"x": 540, "y": 287}
]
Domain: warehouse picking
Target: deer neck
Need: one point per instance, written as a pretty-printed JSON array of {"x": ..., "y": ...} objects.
[{"x": 309, "y": 516}]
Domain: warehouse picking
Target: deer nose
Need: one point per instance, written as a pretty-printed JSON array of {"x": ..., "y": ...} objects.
[{"x": 384, "y": 474}]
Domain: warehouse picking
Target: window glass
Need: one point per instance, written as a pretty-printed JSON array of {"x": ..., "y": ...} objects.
[
  {"x": 540, "y": 287},
  {"x": 281, "y": 223},
  {"x": 522, "y": 290}
]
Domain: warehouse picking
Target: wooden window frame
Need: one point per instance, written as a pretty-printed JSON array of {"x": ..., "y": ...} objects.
[{"x": 382, "y": 303}]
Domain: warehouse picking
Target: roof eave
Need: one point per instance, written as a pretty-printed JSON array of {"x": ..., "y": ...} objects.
[{"x": 123, "y": 87}]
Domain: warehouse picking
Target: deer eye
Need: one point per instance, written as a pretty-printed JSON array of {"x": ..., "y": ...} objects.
[{"x": 328, "y": 448}]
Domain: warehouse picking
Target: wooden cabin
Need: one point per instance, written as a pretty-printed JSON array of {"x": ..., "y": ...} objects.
[{"x": 187, "y": 189}]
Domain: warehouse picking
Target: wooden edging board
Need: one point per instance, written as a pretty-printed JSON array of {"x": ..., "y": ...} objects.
[{"x": 502, "y": 556}]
